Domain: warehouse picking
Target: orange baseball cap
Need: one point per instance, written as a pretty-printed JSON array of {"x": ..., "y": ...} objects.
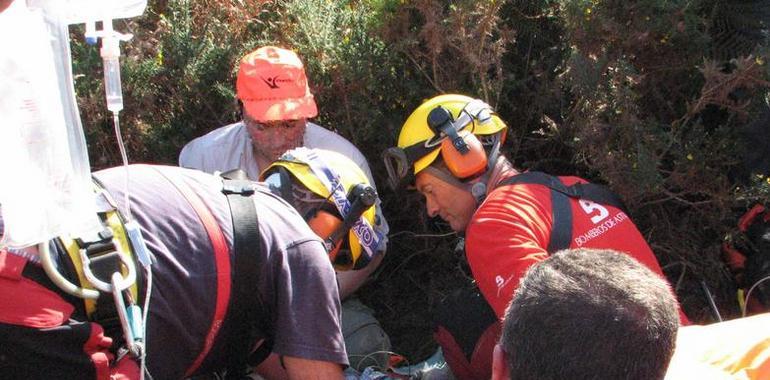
[{"x": 272, "y": 85}]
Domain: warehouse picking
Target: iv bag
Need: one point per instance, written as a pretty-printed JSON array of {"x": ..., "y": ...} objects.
[
  {"x": 81, "y": 11},
  {"x": 46, "y": 189}
]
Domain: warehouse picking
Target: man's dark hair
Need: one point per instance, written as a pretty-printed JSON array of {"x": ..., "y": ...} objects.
[{"x": 590, "y": 314}]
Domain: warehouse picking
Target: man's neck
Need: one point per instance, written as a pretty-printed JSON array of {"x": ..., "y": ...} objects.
[
  {"x": 262, "y": 161},
  {"x": 503, "y": 169}
]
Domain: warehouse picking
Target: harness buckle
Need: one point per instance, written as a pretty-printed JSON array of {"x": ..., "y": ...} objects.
[
  {"x": 237, "y": 187},
  {"x": 102, "y": 255}
]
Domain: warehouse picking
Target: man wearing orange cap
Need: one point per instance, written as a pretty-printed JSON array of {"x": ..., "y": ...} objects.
[
  {"x": 275, "y": 99},
  {"x": 276, "y": 102}
]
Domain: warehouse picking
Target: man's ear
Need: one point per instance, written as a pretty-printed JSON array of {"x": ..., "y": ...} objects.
[{"x": 499, "y": 364}]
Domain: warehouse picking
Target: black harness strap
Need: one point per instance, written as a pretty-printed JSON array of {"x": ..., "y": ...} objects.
[
  {"x": 247, "y": 314},
  {"x": 561, "y": 233}
]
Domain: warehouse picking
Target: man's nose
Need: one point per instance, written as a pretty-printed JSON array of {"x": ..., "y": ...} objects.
[{"x": 431, "y": 207}]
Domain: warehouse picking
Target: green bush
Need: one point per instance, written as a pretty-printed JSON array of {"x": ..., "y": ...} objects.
[{"x": 659, "y": 101}]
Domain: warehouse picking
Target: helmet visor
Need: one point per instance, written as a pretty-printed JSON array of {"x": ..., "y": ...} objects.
[
  {"x": 400, "y": 163},
  {"x": 398, "y": 166}
]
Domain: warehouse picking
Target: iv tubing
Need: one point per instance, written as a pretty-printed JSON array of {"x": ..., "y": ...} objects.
[
  {"x": 110, "y": 53},
  {"x": 746, "y": 300},
  {"x": 148, "y": 293},
  {"x": 124, "y": 157}
]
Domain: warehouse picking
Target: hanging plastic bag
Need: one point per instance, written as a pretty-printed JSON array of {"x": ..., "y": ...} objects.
[
  {"x": 45, "y": 166},
  {"x": 47, "y": 189}
]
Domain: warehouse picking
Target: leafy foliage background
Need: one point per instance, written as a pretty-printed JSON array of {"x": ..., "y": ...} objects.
[{"x": 666, "y": 101}]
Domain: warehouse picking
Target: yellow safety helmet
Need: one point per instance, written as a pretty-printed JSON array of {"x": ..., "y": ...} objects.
[
  {"x": 445, "y": 124},
  {"x": 342, "y": 201}
]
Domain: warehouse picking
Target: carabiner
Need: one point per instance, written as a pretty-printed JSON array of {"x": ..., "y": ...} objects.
[{"x": 124, "y": 282}]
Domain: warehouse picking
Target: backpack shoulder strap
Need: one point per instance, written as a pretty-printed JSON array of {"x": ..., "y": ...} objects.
[
  {"x": 248, "y": 310},
  {"x": 561, "y": 233},
  {"x": 588, "y": 191},
  {"x": 238, "y": 304}
]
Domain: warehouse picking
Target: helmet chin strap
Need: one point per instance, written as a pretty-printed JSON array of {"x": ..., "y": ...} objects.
[{"x": 479, "y": 184}]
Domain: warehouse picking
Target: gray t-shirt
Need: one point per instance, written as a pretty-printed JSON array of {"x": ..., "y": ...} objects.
[{"x": 296, "y": 281}]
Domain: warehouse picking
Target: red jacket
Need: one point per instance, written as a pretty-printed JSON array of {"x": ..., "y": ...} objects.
[{"x": 512, "y": 228}]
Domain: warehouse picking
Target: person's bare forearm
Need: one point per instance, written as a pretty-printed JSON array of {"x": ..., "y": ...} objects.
[
  {"x": 298, "y": 368},
  {"x": 351, "y": 280},
  {"x": 301, "y": 369}
]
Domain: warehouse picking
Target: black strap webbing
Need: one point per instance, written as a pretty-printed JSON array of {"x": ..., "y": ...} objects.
[
  {"x": 561, "y": 234},
  {"x": 247, "y": 313}
]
